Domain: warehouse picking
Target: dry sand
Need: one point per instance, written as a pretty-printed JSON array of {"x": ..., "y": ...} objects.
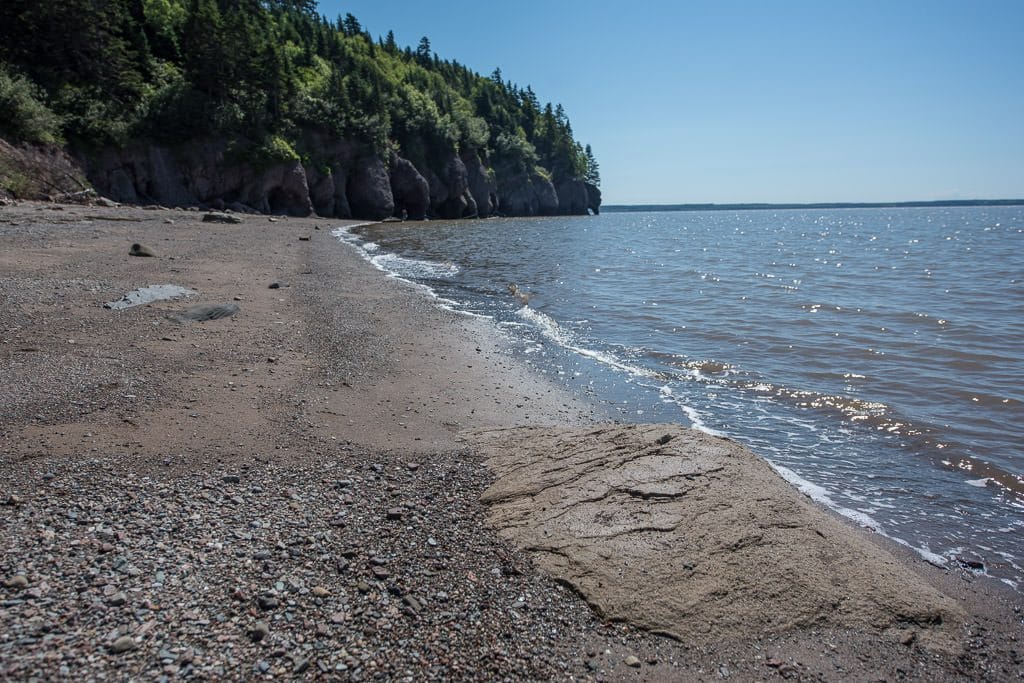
[{"x": 285, "y": 492}]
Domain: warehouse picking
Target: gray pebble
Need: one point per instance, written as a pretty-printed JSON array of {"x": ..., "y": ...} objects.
[
  {"x": 122, "y": 644},
  {"x": 17, "y": 581}
]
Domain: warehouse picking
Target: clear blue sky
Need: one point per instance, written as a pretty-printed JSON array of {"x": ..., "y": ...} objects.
[{"x": 784, "y": 101}]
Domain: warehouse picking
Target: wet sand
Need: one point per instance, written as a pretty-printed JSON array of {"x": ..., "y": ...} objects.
[{"x": 289, "y": 490}]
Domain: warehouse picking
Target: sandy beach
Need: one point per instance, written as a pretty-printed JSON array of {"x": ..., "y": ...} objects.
[{"x": 342, "y": 480}]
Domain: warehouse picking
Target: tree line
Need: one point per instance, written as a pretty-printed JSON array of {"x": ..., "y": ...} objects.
[{"x": 259, "y": 73}]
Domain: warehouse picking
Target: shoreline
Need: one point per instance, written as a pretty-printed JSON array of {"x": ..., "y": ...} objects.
[{"x": 288, "y": 467}]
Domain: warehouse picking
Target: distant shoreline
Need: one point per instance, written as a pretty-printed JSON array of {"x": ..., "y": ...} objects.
[{"x": 626, "y": 208}]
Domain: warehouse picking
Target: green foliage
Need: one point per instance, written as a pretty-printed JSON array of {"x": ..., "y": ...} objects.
[
  {"x": 24, "y": 117},
  {"x": 264, "y": 152},
  {"x": 515, "y": 153},
  {"x": 266, "y": 70},
  {"x": 593, "y": 174},
  {"x": 164, "y": 20}
]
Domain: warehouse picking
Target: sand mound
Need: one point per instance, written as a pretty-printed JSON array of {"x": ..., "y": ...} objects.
[{"x": 695, "y": 537}]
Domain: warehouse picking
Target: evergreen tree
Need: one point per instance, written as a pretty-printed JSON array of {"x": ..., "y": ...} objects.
[
  {"x": 263, "y": 73},
  {"x": 593, "y": 175},
  {"x": 423, "y": 51},
  {"x": 351, "y": 26}
]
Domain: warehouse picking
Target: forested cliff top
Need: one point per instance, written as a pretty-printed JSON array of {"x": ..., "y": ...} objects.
[{"x": 269, "y": 106}]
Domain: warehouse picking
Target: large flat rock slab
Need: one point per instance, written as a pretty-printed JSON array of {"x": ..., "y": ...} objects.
[{"x": 696, "y": 537}]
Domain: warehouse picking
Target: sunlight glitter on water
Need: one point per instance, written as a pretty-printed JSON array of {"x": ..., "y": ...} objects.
[{"x": 856, "y": 378}]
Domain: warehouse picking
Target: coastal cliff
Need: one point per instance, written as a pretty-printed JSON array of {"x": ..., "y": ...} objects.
[
  {"x": 272, "y": 108},
  {"x": 349, "y": 183}
]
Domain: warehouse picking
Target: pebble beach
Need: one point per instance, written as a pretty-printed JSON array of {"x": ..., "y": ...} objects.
[{"x": 279, "y": 485}]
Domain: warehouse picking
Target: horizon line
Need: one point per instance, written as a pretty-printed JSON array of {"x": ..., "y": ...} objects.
[{"x": 748, "y": 206}]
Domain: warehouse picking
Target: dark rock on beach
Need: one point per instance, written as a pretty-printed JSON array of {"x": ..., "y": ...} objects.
[
  {"x": 369, "y": 190},
  {"x": 410, "y": 189},
  {"x": 217, "y": 217},
  {"x": 205, "y": 312}
]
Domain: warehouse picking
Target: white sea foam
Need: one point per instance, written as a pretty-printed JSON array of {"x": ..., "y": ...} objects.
[
  {"x": 550, "y": 328},
  {"x": 695, "y": 418},
  {"x": 400, "y": 267},
  {"x": 925, "y": 552},
  {"x": 775, "y": 421},
  {"x": 413, "y": 268},
  {"x": 822, "y": 496}
]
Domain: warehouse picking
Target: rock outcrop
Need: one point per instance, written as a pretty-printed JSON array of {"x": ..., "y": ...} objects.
[
  {"x": 200, "y": 174},
  {"x": 449, "y": 191},
  {"x": 593, "y": 198},
  {"x": 572, "y": 197},
  {"x": 410, "y": 189},
  {"x": 482, "y": 186},
  {"x": 369, "y": 190},
  {"x": 321, "y": 190},
  {"x": 280, "y": 189},
  {"x": 39, "y": 172},
  {"x": 342, "y": 180},
  {"x": 527, "y": 194},
  {"x": 696, "y": 537}
]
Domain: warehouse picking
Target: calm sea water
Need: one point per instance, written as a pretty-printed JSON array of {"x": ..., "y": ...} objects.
[{"x": 874, "y": 356}]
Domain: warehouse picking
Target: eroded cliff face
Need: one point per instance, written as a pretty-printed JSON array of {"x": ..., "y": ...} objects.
[
  {"x": 369, "y": 190},
  {"x": 343, "y": 180},
  {"x": 527, "y": 194},
  {"x": 482, "y": 185},
  {"x": 410, "y": 189},
  {"x": 200, "y": 173}
]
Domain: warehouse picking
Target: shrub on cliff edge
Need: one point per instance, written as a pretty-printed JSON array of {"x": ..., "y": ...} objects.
[{"x": 24, "y": 117}]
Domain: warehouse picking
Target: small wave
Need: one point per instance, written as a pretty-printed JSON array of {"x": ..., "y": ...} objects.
[
  {"x": 694, "y": 367},
  {"x": 855, "y": 410},
  {"x": 695, "y": 418},
  {"x": 882, "y": 418},
  {"x": 822, "y": 496},
  {"x": 414, "y": 268},
  {"x": 550, "y": 328},
  {"x": 399, "y": 267},
  {"x": 346, "y": 235},
  {"x": 988, "y": 475}
]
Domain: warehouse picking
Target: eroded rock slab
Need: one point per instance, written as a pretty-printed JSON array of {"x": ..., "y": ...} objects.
[
  {"x": 695, "y": 537},
  {"x": 147, "y": 295}
]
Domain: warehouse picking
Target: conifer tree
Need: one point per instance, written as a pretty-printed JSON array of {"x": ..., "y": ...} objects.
[
  {"x": 423, "y": 51},
  {"x": 593, "y": 175},
  {"x": 248, "y": 71}
]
